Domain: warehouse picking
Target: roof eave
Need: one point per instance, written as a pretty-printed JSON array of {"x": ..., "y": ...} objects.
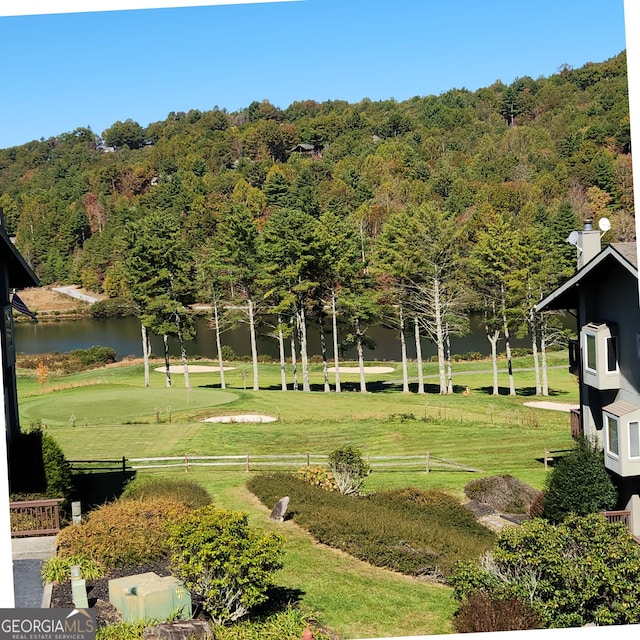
[{"x": 566, "y": 295}]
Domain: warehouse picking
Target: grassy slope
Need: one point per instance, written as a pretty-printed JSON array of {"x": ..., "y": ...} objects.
[{"x": 494, "y": 434}]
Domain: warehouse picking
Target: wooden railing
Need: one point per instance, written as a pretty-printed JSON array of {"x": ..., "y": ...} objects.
[
  {"x": 618, "y": 516},
  {"x": 35, "y": 517},
  {"x": 576, "y": 424}
]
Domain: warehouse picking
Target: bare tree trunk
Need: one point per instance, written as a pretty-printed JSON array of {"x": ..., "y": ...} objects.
[
  {"x": 439, "y": 335},
  {"x": 507, "y": 342},
  {"x": 534, "y": 351},
  {"x": 283, "y": 362},
  {"x": 145, "y": 354},
  {"x": 254, "y": 348},
  {"x": 363, "y": 382},
  {"x": 302, "y": 337},
  {"x": 216, "y": 319},
  {"x": 323, "y": 351},
  {"x": 448, "y": 353},
  {"x": 403, "y": 351},
  {"x": 167, "y": 364},
  {"x": 493, "y": 340},
  {"x": 183, "y": 351},
  {"x": 334, "y": 322},
  {"x": 543, "y": 351},
  {"x": 416, "y": 327},
  {"x": 294, "y": 364}
]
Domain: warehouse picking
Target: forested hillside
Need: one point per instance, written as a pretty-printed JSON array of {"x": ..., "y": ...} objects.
[{"x": 410, "y": 212}]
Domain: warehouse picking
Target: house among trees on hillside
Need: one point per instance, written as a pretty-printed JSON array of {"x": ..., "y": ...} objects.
[
  {"x": 312, "y": 150},
  {"x": 603, "y": 294},
  {"x": 15, "y": 273}
]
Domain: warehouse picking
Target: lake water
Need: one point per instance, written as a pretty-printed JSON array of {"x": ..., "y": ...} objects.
[{"x": 123, "y": 335}]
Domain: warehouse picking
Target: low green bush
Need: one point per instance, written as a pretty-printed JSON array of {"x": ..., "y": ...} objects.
[
  {"x": 124, "y": 533},
  {"x": 581, "y": 571},
  {"x": 502, "y": 493},
  {"x": 57, "y": 570},
  {"x": 411, "y": 531},
  {"x": 283, "y": 625},
  {"x": 223, "y": 560},
  {"x": 95, "y": 355},
  {"x": 192, "y": 494},
  {"x": 71, "y": 362}
]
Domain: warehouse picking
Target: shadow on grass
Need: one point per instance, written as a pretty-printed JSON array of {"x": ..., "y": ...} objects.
[
  {"x": 95, "y": 488},
  {"x": 279, "y": 599}
]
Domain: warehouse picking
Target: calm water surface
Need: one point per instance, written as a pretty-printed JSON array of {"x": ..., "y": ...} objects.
[{"x": 123, "y": 335}]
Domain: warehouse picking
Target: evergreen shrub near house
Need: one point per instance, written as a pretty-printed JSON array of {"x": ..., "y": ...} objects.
[
  {"x": 124, "y": 533},
  {"x": 583, "y": 570},
  {"x": 39, "y": 469},
  {"x": 224, "y": 561},
  {"x": 192, "y": 494},
  {"x": 411, "y": 531},
  {"x": 579, "y": 484}
]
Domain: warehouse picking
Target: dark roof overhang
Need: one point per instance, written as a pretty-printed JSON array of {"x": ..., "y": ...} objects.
[{"x": 566, "y": 296}]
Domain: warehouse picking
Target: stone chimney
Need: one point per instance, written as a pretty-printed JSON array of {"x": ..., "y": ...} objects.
[{"x": 588, "y": 243}]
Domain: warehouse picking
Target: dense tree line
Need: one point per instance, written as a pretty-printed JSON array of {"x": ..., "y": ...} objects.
[{"x": 336, "y": 215}]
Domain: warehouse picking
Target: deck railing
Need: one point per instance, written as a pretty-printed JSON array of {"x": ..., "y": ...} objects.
[{"x": 35, "y": 517}]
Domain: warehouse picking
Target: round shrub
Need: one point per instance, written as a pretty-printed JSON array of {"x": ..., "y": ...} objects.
[
  {"x": 579, "y": 484},
  {"x": 192, "y": 494},
  {"x": 123, "y": 533},
  {"x": 502, "y": 493},
  {"x": 348, "y": 469},
  {"x": 223, "y": 560}
]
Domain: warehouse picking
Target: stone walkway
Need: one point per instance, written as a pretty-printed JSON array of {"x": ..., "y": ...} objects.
[{"x": 28, "y": 557}]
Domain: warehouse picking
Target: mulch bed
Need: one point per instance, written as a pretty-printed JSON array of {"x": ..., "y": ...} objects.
[{"x": 98, "y": 592}]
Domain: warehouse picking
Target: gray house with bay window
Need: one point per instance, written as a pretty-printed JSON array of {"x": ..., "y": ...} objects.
[{"x": 603, "y": 294}]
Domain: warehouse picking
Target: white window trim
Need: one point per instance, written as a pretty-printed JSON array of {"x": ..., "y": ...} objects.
[
  {"x": 606, "y": 343},
  {"x": 588, "y": 335},
  {"x": 629, "y": 423},
  {"x": 610, "y": 416}
]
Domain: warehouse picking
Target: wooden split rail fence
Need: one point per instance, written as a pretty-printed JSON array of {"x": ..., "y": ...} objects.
[{"x": 252, "y": 462}]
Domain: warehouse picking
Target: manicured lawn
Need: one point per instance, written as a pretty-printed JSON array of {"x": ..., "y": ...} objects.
[{"x": 116, "y": 416}]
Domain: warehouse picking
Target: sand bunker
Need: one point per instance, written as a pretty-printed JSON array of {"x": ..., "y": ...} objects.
[
  {"x": 366, "y": 369},
  {"x": 193, "y": 368},
  {"x": 249, "y": 417}
]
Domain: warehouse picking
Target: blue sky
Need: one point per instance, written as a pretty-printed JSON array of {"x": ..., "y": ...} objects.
[{"x": 60, "y": 72}]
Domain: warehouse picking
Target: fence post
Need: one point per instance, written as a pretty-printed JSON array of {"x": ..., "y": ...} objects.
[
  {"x": 308, "y": 459},
  {"x": 427, "y": 462},
  {"x": 248, "y": 462},
  {"x": 124, "y": 464},
  {"x": 76, "y": 512},
  {"x": 186, "y": 463},
  {"x": 545, "y": 459}
]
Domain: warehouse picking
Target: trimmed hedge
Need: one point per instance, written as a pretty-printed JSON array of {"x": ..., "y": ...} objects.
[
  {"x": 192, "y": 494},
  {"x": 124, "y": 533},
  {"x": 411, "y": 531}
]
